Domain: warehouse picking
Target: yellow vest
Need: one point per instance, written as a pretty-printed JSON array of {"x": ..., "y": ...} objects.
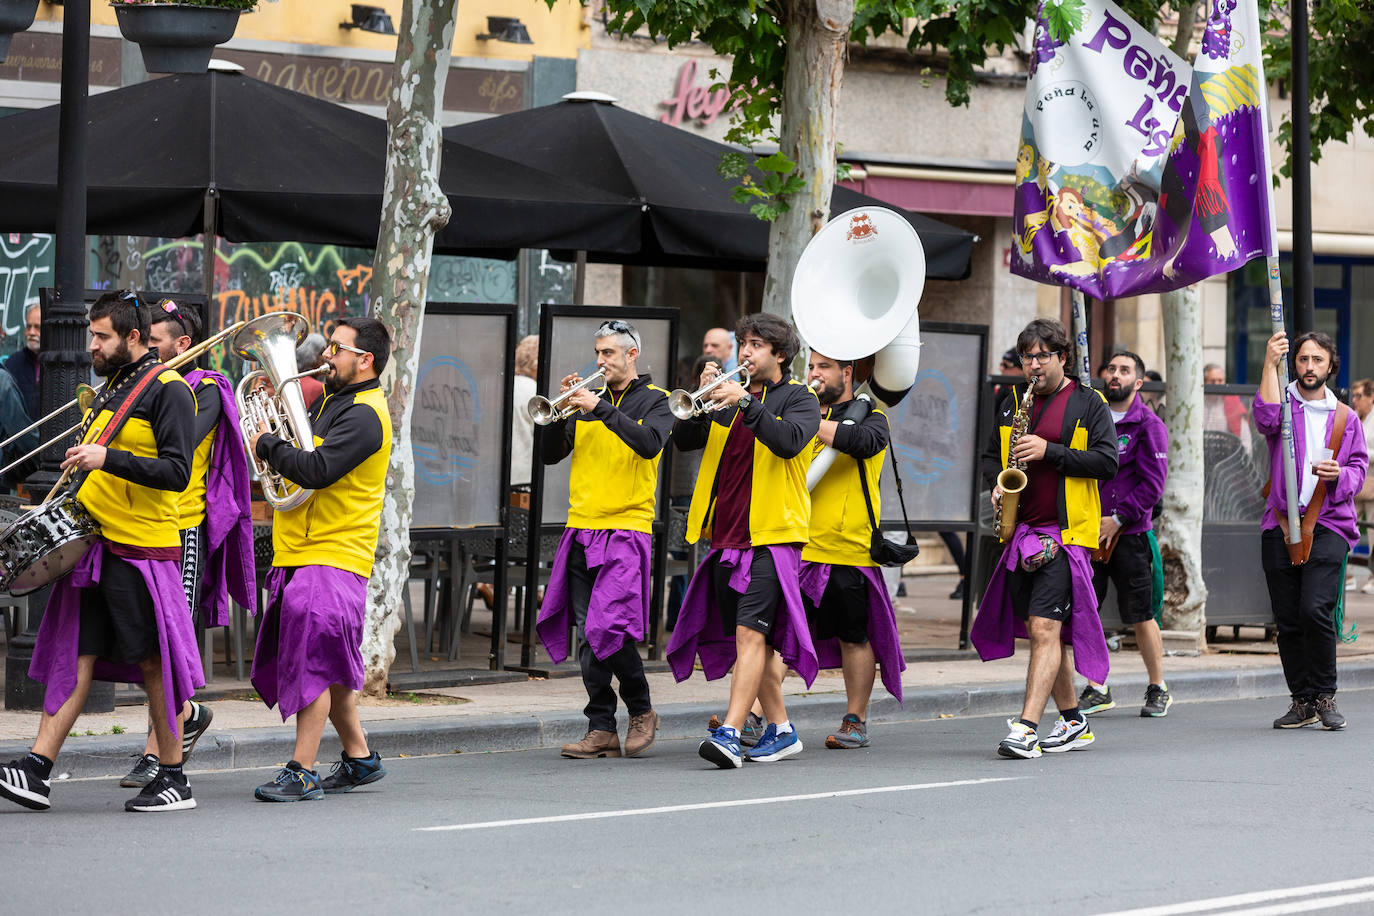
[
  {"x": 609, "y": 486},
  {"x": 191, "y": 501},
  {"x": 337, "y": 526},
  {"x": 840, "y": 530},
  {"x": 129, "y": 513},
  {"x": 779, "y": 503}
]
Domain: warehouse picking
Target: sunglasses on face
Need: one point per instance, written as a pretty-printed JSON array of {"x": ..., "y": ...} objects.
[{"x": 332, "y": 349}]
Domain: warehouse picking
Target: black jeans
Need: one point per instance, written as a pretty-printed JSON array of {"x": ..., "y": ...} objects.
[
  {"x": 1304, "y": 599},
  {"x": 625, "y": 664}
]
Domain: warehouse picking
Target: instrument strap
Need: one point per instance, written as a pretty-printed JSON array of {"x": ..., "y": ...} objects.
[
  {"x": 121, "y": 413},
  {"x": 1298, "y": 553},
  {"x": 901, "y": 500}
]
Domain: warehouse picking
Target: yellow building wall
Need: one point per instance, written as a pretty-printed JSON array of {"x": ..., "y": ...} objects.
[{"x": 559, "y": 32}]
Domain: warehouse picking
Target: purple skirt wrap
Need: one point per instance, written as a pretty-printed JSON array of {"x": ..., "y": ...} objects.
[
  {"x": 698, "y": 631},
  {"x": 882, "y": 624},
  {"x": 996, "y": 628},
  {"x": 619, "y": 606},
  {"x": 310, "y": 637},
  {"x": 55, "y": 652}
]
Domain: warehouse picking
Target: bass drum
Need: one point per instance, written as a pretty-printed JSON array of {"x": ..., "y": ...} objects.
[{"x": 44, "y": 543}]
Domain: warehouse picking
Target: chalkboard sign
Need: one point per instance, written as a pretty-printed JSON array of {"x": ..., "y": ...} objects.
[
  {"x": 935, "y": 429},
  {"x": 459, "y": 427},
  {"x": 572, "y": 347}
]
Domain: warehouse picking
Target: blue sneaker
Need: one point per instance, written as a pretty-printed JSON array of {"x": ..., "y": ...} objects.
[
  {"x": 292, "y": 783},
  {"x": 773, "y": 746},
  {"x": 722, "y": 748},
  {"x": 351, "y": 772}
]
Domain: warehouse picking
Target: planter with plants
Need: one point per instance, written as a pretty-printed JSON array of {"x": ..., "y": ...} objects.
[
  {"x": 15, "y": 16},
  {"x": 180, "y": 36}
]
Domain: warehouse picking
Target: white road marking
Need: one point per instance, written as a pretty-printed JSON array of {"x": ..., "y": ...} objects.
[
  {"x": 1215, "y": 904},
  {"x": 706, "y": 806}
]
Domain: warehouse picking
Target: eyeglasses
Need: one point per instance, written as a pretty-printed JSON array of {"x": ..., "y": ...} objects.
[
  {"x": 332, "y": 349},
  {"x": 1040, "y": 359}
]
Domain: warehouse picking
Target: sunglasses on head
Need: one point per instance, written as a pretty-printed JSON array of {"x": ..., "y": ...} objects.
[
  {"x": 618, "y": 327},
  {"x": 170, "y": 307}
]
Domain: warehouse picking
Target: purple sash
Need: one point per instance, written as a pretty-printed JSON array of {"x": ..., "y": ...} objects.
[
  {"x": 55, "y": 653},
  {"x": 698, "y": 631},
  {"x": 619, "y": 606},
  {"x": 229, "y": 566},
  {"x": 996, "y": 628},
  {"x": 882, "y": 624},
  {"x": 310, "y": 637}
]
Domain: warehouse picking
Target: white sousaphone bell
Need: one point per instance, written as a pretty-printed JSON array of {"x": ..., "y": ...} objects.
[{"x": 854, "y": 294}]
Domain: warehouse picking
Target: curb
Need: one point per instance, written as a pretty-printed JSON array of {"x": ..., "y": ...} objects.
[{"x": 109, "y": 755}]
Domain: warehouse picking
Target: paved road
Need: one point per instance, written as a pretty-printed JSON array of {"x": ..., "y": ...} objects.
[{"x": 1207, "y": 804}]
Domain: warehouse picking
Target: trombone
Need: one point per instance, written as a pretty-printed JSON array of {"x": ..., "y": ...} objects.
[
  {"x": 544, "y": 411},
  {"x": 685, "y": 404},
  {"x": 85, "y": 397}
]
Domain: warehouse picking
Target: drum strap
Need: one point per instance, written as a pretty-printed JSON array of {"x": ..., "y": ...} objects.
[{"x": 121, "y": 413}]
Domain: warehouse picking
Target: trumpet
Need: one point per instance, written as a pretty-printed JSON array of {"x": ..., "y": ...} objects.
[
  {"x": 685, "y": 404},
  {"x": 544, "y": 411}
]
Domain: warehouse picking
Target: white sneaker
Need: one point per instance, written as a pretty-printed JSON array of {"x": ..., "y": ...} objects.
[
  {"x": 1020, "y": 742},
  {"x": 1067, "y": 736},
  {"x": 1368, "y": 587},
  {"x": 1350, "y": 583}
]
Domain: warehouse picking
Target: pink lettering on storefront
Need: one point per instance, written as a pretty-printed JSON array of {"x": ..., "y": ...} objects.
[{"x": 698, "y": 103}]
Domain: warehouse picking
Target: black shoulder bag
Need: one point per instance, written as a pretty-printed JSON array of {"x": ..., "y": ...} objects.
[{"x": 880, "y": 549}]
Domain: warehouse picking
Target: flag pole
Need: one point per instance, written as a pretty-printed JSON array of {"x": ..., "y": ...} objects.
[{"x": 1080, "y": 336}]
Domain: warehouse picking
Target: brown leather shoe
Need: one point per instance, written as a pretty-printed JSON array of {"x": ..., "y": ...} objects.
[
  {"x": 487, "y": 594},
  {"x": 594, "y": 744},
  {"x": 639, "y": 737}
]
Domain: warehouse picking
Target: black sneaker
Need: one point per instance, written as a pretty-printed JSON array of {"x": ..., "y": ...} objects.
[
  {"x": 1092, "y": 700},
  {"x": 292, "y": 783},
  {"x": 1157, "y": 702},
  {"x": 958, "y": 593},
  {"x": 1300, "y": 713},
  {"x": 142, "y": 772},
  {"x": 21, "y": 785},
  {"x": 197, "y": 724},
  {"x": 1331, "y": 718},
  {"x": 165, "y": 793},
  {"x": 351, "y": 772}
]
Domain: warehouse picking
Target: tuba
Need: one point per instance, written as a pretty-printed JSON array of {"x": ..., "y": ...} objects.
[
  {"x": 854, "y": 295},
  {"x": 271, "y": 341}
]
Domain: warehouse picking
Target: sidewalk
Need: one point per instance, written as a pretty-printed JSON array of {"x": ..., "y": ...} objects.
[{"x": 546, "y": 712}]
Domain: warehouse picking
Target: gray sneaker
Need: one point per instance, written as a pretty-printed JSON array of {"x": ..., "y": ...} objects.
[
  {"x": 853, "y": 733},
  {"x": 1300, "y": 713},
  {"x": 1157, "y": 702},
  {"x": 749, "y": 735},
  {"x": 1092, "y": 700},
  {"x": 1331, "y": 718}
]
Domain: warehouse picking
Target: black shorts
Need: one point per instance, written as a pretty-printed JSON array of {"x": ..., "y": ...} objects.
[
  {"x": 118, "y": 620},
  {"x": 1131, "y": 570},
  {"x": 193, "y": 547},
  {"x": 1047, "y": 592},
  {"x": 757, "y": 608},
  {"x": 843, "y": 609}
]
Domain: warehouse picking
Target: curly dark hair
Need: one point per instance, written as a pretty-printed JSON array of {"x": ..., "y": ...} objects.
[
  {"x": 1049, "y": 332},
  {"x": 776, "y": 331}
]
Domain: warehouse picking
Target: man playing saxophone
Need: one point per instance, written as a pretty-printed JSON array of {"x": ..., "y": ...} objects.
[
  {"x": 1042, "y": 586},
  {"x": 309, "y": 659}
]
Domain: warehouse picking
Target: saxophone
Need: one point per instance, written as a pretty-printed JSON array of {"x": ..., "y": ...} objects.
[{"x": 1012, "y": 480}]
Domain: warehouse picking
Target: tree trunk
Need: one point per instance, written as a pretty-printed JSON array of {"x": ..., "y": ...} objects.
[
  {"x": 1180, "y": 526},
  {"x": 817, "y": 35},
  {"x": 413, "y": 210}
]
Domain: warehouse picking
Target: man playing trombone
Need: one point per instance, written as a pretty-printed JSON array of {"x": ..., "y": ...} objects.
[
  {"x": 600, "y": 576},
  {"x": 215, "y": 512},
  {"x": 751, "y": 501},
  {"x": 309, "y": 661},
  {"x": 121, "y": 614}
]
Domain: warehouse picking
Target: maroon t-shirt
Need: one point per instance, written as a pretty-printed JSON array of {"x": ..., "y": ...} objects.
[
  {"x": 1040, "y": 502},
  {"x": 734, "y": 484}
]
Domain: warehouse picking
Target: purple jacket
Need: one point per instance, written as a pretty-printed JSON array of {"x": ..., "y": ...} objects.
[
  {"x": 1338, "y": 509},
  {"x": 229, "y": 567},
  {"x": 1142, "y": 463}
]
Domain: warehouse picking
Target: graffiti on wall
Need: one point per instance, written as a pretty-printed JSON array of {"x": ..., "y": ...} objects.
[{"x": 26, "y": 265}]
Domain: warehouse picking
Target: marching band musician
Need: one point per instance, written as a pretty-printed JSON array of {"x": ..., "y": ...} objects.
[
  {"x": 309, "y": 660},
  {"x": 121, "y": 614},
  {"x": 853, "y": 625},
  {"x": 215, "y": 512},
  {"x": 600, "y": 577},
  {"x": 1042, "y": 586},
  {"x": 751, "y": 501}
]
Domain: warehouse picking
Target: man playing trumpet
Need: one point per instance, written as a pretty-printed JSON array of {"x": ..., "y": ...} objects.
[
  {"x": 1042, "y": 587},
  {"x": 744, "y": 601},
  {"x": 309, "y": 661},
  {"x": 600, "y": 576}
]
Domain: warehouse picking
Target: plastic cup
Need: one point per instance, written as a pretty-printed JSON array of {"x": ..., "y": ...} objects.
[{"x": 1323, "y": 454}]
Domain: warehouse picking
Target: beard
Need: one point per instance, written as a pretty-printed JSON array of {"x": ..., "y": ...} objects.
[
  {"x": 105, "y": 367},
  {"x": 336, "y": 381},
  {"x": 1317, "y": 383},
  {"x": 1118, "y": 394},
  {"x": 830, "y": 394}
]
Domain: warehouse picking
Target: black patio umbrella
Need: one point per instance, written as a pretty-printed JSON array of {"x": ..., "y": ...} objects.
[
  {"x": 690, "y": 218},
  {"x": 276, "y": 165}
]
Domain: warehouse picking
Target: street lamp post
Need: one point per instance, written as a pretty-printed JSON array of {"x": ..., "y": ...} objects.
[{"x": 64, "y": 359}]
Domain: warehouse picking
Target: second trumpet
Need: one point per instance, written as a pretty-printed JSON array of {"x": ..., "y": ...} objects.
[
  {"x": 544, "y": 411},
  {"x": 687, "y": 404}
]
